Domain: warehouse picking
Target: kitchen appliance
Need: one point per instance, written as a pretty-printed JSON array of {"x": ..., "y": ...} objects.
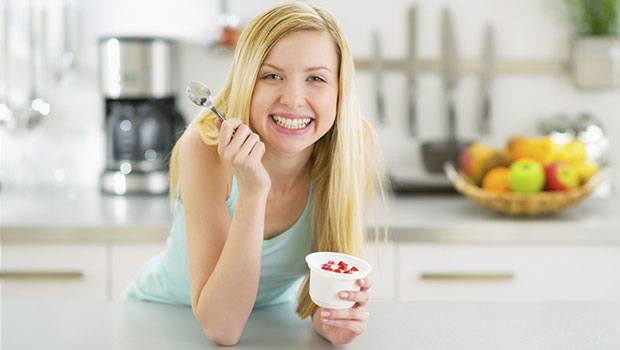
[{"x": 141, "y": 118}]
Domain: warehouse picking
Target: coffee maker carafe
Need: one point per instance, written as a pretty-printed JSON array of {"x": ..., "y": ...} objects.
[{"x": 141, "y": 120}]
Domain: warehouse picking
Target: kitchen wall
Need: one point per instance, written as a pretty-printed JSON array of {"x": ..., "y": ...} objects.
[{"x": 67, "y": 150}]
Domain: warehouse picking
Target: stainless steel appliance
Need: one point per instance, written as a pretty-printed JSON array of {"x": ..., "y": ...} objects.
[{"x": 141, "y": 119}]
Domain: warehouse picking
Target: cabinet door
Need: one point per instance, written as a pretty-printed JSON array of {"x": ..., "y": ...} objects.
[
  {"x": 65, "y": 271},
  {"x": 382, "y": 258},
  {"x": 506, "y": 273},
  {"x": 128, "y": 259}
]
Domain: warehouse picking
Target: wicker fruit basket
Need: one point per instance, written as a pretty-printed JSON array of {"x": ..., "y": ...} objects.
[{"x": 518, "y": 204}]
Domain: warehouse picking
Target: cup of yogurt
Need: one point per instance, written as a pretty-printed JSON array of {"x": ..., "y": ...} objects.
[{"x": 332, "y": 273}]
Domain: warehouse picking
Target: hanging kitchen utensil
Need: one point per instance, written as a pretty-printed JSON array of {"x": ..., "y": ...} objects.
[
  {"x": 378, "y": 77},
  {"x": 436, "y": 153},
  {"x": 487, "y": 73},
  {"x": 412, "y": 67},
  {"x": 38, "y": 108},
  {"x": 6, "y": 113},
  {"x": 66, "y": 63}
]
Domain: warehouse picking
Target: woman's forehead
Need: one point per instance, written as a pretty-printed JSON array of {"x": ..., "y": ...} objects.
[{"x": 304, "y": 50}]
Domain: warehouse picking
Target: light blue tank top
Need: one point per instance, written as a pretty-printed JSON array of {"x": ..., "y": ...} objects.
[{"x": 165, "y": 278}]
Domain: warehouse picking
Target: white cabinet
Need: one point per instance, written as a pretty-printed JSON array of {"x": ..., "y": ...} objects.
[
  {"x": 127, "y": 259},
  {"x": 68, "y": 271},
  {"x": 402, "y": 271},
  {"x": 382, "y": 258},
  {"x": 508, "y": 273}
]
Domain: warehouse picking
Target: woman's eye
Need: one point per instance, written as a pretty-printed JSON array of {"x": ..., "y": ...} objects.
[
  {"x": 318, "y": 79},
  {"x": 272, "y": 76}
]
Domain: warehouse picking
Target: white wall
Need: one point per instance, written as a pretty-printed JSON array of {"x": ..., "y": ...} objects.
[{"x": 525, "y": 30}]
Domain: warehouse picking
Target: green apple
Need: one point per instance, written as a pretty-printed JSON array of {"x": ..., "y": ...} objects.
[{"x": 526, "y": 176}]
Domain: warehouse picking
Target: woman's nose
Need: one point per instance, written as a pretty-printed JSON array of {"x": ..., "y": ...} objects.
[{"x": 293, "y": 95}]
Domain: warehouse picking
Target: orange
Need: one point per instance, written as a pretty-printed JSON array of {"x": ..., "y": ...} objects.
[
  {"x": 543, "y": 149},
  {"x": 497, "y": 180}
]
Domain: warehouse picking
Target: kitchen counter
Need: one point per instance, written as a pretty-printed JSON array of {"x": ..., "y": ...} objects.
[
  {"x": 392, "y": 325},
  {"x": 86, "y": 214}
]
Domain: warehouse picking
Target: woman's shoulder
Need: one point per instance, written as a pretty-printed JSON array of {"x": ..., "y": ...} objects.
[
  {"x": 199, "y": 163},
  {"x": 191, "y": 145}
]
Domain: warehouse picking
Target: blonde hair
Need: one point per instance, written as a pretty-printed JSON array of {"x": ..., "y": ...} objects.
[{"x": 345, "y": 169}]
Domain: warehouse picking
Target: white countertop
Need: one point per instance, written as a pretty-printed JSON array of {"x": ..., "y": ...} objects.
[
  {"x": 51, "y": 325},
  {"x": 87, "y": 214}
]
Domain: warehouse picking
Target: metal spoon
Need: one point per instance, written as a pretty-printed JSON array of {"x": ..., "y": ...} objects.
[{"x": 201, "y": 96}]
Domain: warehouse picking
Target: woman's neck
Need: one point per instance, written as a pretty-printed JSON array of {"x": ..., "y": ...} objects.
[{"x": 288, "y": 171}]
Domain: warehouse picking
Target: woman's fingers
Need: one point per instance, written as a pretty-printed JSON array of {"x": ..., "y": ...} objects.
[
  {"x": 357, "y": 327},
  {"x": 227, "y": 130},
  {"x": 258, "y": 151},
  {"x": 364, "y": 283},
  {"x": 246, "y": 148},
  {"x": 228, "y": 151},
  {"x": 359, "y": 314},
  {"x": 360, "y": 297},
  {"x": 241, "y": 134}
]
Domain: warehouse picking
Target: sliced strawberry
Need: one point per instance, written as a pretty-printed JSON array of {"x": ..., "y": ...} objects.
[{"x": 353, "y": 268}]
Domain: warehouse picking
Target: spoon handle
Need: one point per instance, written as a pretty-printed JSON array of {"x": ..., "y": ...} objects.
[{"x": 217, "y": 113}]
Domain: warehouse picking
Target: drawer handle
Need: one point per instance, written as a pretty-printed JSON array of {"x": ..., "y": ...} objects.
[
  {"x": 41, "y": 274},
  {"x": 466, "y": 276}
]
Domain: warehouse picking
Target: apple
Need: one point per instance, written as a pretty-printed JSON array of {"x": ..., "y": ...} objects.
[
  {"x": 472, "y": 161},
  {"x": 560, "y": 177},
  {"x": 526, "y": 176}
]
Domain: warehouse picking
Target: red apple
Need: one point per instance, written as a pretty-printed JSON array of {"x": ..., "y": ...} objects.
[
  {"x": 472, "y": 161},
  {"x": 560, "y": 177}
]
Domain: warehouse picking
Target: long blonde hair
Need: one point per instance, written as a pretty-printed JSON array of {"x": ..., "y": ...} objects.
[{"x": 346, "y": 170}]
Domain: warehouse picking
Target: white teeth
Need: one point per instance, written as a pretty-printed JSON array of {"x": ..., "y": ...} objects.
[{"x": 297, "y": 123}]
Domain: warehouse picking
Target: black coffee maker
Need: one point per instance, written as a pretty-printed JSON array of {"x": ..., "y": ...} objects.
[{"x": 141, "y": 120}]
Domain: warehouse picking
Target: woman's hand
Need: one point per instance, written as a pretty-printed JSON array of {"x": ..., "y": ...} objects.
[
  {"x": 342, "y": 326},
  {"x": 242, "y": 151}
]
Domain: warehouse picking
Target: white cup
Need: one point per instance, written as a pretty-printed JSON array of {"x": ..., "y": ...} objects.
[{"x": 326, "y": 285}]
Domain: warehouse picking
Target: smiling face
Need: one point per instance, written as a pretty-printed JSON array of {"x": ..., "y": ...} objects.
[{"x": 296, "y": 93}]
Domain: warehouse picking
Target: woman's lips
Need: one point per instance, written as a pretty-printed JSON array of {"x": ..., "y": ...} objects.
[{"x": 287, "y": 130}]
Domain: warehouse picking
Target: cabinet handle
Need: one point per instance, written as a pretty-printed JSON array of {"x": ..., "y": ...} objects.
[
  {"x": 466, "y": 276},
  {"x": 41, "y": 274}
]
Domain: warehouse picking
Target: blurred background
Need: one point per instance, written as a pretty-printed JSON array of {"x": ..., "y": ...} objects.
[
  {"x": 92, "y": 98},
  {"x": 532, "y": 81}
]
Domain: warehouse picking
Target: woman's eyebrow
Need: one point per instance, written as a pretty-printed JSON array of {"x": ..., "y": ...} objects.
[
  {"x": 318, "y": 68},
  {"x": 266, "y": 64},
  {"x": 273, "y": 66}
]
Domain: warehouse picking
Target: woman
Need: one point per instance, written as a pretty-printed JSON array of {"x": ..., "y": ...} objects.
[{"x": 287, "y": 173}]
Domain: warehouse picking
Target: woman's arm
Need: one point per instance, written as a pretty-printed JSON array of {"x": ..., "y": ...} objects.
[{"x": 224, "y": 254}]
